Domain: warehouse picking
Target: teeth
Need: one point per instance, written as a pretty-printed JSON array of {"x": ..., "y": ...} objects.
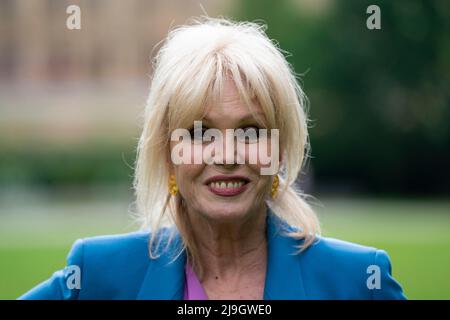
[{"x": 226, "y": 185}]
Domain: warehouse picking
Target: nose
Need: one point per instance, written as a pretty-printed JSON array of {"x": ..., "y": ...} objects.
[{"x": 227, "y": 150}]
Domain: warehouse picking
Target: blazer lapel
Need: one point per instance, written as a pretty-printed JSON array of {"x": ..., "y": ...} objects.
[
  {"x": 164, "y": 279},
  {"x": 283, "y": 275}
]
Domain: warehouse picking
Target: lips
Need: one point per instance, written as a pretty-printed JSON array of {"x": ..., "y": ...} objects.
[{"x": 227, "y": 185}]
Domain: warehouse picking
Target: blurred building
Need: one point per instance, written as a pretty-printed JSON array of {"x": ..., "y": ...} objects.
[
  {"x": 115, "y": 40},
  {"x": 72, "y": 87}
]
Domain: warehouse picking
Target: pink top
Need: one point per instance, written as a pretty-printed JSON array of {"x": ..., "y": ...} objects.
[{"x": 193, "y": 289}]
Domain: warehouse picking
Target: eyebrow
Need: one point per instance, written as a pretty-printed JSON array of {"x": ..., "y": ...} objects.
[{"x": 246, "y": 118}]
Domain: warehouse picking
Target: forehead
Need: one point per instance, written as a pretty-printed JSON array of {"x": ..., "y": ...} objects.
[{"x": 230, "y": 108}]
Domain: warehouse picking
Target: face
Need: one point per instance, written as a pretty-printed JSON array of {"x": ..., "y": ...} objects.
[{"x": 226, "y": 192}]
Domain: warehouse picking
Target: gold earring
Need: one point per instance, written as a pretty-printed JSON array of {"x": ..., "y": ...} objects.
[
  {"x": 275, "y": 184},
  {"x": 173, "y": 188}
]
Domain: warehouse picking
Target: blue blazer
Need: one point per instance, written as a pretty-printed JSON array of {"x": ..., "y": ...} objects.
[{"x": 119, "y": 267}]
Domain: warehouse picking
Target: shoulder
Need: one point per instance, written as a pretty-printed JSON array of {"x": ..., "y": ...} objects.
[
  {"x": 341, "y": 250},
  {"x": 114, "y": 266},
  {"x": 113, "y": 247},
  {"x": 341, "y": 259},
  {"x": 124, "y": 247},
  {"x": 356, "y": 271},
  {"x": 109, "y": 267}
]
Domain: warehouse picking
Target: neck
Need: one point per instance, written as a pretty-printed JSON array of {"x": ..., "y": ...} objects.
[{"x": 229, "y": 250}]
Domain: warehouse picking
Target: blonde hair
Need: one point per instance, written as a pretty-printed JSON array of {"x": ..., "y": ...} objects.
[{"x": 189, "y": 71}]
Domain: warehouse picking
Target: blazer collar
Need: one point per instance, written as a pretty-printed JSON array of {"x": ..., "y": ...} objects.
[
  {"x": 165, "y": 277},
  {"x": 283, "y": 275}
]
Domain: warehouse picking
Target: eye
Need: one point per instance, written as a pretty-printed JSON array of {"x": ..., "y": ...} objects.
[
  {"x": 199, "y": 136},
  {"x": 249, "y": 134}
]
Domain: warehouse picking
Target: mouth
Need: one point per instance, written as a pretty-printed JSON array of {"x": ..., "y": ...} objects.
[{"x": 227, "y": 186}]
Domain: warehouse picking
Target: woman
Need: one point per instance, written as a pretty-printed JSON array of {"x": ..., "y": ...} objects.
[{"x": 222, "y": 228}]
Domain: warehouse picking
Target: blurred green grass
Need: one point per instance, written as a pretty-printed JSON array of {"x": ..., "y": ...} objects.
[{"x": 414, "y": 233}]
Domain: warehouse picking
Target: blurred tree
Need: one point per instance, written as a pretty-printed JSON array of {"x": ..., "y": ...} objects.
[{"x": 379, "y": 99}]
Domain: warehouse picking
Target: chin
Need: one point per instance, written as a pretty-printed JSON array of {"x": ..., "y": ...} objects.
[{"x": 226, "y": 212}]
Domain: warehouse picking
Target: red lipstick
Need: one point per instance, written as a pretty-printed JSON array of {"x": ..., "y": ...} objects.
[{"x": 227, "y": 185}]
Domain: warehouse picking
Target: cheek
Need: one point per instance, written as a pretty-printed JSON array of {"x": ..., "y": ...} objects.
[
  {"x": 185, "y": 152},
  {"x": 260, "y": 155},
  {"x": 264, "y": 183},
  {"x": 188, "y": 177}
]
